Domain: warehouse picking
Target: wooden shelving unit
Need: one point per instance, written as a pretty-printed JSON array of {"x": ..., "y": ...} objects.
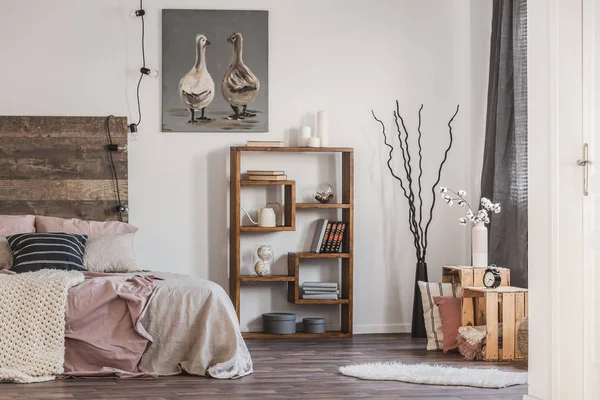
[{"x": 290, "y": 207}]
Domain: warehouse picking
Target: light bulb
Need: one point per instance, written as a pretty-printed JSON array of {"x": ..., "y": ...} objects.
[
  {"x": 137, "y": 13},
  {"x": 152, "y": 73},
  {"x": 134, "y": 135}
]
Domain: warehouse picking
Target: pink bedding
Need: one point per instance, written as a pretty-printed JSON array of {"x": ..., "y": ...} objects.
[{"x": 103, "y": 333}]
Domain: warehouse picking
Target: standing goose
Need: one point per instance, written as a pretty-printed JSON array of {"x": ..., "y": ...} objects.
[
  {"x": 196, "y": 88},
  {"x": 240, "y": 86}
]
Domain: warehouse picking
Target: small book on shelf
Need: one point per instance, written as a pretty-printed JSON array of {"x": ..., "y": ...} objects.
[
  {"x": 264, "y": 143},
  {"x": 267, "y": 177},
  {"x": 320, "y": 284},
  {"x": 321, "y": 292},
  {"x": 265, "y": 172},
  {"x": 320, "y": 296},
  {"x": 320, "y": 235}
]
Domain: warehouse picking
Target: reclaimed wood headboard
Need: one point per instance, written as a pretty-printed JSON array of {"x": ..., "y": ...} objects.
[{"x": 59, "y": 166}]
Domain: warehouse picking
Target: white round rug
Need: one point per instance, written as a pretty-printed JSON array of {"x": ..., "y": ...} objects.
[{"x": 436, "y": 375}]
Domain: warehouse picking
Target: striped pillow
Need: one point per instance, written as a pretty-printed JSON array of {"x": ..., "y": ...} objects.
[
  {"x": 35, "y": 251},
  {"x": 431, "y": 313}
]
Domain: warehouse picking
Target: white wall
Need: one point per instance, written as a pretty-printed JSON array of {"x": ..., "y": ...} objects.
[{"x": 71, "y": 57}]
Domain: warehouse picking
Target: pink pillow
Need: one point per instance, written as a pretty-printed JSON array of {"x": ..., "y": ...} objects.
[
  {"x": 450, "y": 314},
  {"x": 79, "y": 226},
  {"x": 14, "y": 224}
]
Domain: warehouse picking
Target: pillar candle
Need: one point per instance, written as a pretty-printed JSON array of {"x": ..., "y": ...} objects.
[
  {"x": 303, "y": 136},
  {"x": 314, "y": 142},
  {"x": 323, "y": 128}
]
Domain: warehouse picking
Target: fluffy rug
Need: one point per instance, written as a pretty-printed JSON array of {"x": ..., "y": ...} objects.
[{"x": 436, "y": 375}]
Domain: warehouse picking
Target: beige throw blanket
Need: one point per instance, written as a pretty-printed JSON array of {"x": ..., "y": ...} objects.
[{"x": 32, "y": 323}]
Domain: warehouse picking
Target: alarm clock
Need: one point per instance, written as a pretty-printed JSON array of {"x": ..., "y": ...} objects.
[{"x": 491, "y": 278}]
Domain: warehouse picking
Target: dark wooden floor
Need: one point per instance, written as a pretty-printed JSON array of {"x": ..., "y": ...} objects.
[{"x": 288, "y": 369}]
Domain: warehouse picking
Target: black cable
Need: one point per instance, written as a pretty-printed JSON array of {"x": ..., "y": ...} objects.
[
  {"x": 143, "y": 66},
  {"x": 113, "y": 168}
]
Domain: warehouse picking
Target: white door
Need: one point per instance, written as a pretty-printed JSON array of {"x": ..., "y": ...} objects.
[{"x": 590, "y": 181}]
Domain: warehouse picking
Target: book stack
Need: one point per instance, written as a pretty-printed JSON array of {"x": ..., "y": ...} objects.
[
  {"x": 329, "y": 236},
  {"x": 320, "y": 291},
  {"x": 257, "y": 175},
  {"x": 264, "y": 143}
]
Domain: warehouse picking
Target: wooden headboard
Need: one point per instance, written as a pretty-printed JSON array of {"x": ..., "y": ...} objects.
[{"x": 59, "y": 166}]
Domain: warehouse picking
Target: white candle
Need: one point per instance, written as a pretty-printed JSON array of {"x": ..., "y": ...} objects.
[
  {"x": 323, "y": 128},
  {"x": 314, "y": 142},
  {"x": 304, "y": 136}
]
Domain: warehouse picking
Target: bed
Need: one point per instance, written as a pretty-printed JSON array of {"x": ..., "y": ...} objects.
[{"x": 130, "y": 324}]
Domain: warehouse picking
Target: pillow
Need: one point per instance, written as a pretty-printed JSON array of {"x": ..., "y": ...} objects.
[
  {"x": 110, "y": 253},
  {"x": 36, "y": 251},
  {"x": 13, "y": 224},
  {"x": 79, "y": 226},
  {"x": 433, "y": 322},
  {"x": 5, "y": 254},
  {"x": 450, "y": 314}
]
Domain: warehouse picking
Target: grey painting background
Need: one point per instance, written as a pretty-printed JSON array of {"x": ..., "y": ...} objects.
[{"x": 180, "y": 28}]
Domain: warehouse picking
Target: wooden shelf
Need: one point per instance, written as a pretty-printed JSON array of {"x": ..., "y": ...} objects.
[
  {"x": 268, "y": 278},
  {"x": 345, "y": 203},
  {"x": 315, "y": 301},
  {"x": 319, "y": 255},
  {"x": 264, "y": 229},
  {"x": 247, "y": 182},
  {"x": 319, "y": 205},
  {"x": 297, "y": 335},
  {"x": 296, "y": 149}
]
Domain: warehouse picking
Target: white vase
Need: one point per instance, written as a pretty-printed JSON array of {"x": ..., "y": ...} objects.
[{"x": 479, "y": 245}]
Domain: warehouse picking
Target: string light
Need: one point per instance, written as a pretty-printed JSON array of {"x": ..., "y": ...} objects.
[{"x": 144, "y": 71}]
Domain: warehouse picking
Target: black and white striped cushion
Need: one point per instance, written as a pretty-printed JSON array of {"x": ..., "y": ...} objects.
[{"x": 35, "y": 251}]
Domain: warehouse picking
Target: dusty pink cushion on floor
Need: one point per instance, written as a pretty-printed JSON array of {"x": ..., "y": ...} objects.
[
  {"x": 14, "y": 224},
  {"x": 450, "y": 314},
  {"x": 79, "y": 226}
]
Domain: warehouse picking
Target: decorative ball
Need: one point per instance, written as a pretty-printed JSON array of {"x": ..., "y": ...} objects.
[
  {"x": 262, "y": 268},
  {"x": 325, "y": 193},
  {"x": 265, "y": 253}
]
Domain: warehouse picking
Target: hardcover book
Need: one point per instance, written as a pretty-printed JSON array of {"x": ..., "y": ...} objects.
[{"x": 320, "y": 234}]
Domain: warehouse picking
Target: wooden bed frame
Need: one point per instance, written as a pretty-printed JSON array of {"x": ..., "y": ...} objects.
[{"x": 59, "y": 166}]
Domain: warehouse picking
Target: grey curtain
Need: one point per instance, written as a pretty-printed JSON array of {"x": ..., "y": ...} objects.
[{"x": 504, "y": 175}]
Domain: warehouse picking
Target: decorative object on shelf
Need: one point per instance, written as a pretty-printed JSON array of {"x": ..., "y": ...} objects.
[
  {"x": 314, "y": 142},
  {"x": 320, "y": 290},
  {"x": 323, "y": 128},
  {"x": 279, "y": 323},
  {"x": 492, "y": 278},
  {"x": 313, "y": 325},
  {"x": 303, "y": 136},
  {"x": 267, "y": 218},
  {"x": 239, "y": 102},
  {"x": 329, "y": 236},
  {"x": 264, "y": 143},
  {"x": 479, "y": 233},
  {"x": 412, "y": 188},
  {"x": 266, "y": 175},
  {"x": 265, "y": 254},
  {"x": 325, "y": 193}
]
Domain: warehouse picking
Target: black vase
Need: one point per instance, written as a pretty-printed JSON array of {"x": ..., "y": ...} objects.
[{"x": 418, "y": 322}]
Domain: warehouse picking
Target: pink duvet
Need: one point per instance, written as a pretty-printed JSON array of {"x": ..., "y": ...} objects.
[{"x": 103, "y": 333}]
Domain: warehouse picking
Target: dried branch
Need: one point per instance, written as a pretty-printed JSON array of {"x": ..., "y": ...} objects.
[
  {"x": 419, "y": 182},
  {"x": 439, "y": 175}
]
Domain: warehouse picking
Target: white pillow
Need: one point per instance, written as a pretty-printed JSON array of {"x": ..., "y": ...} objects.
[
  {"x": 431, "y": 313},
  {"x": 6, "y": 257},
  {"x": 110, "y": 253}
]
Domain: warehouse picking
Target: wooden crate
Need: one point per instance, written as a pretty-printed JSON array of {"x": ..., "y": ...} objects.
[
  {"x": 469, "y": 276},
  {"x": 490, "y": 307}
]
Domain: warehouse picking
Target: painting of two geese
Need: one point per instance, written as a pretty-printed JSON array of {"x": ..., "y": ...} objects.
[{"x": 215, "y": 71}]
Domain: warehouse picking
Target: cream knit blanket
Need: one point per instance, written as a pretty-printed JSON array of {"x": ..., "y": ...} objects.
[{"x": 32, "y": 324}]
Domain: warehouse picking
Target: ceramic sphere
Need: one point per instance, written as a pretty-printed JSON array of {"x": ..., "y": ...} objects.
[
  {"x": 262, "y": 268},
  {"x": 265, "y": 253}
]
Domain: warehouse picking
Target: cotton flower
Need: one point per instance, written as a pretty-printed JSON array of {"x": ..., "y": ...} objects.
[
  {"x": 443, "y": 189},
  {"x": 461, "y": 203},
  {"x": 463, "y": 221},
  {"x": 462, "y": 193}
]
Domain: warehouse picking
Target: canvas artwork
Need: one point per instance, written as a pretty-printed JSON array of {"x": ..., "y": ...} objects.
[{"x": 215, "y": 71}]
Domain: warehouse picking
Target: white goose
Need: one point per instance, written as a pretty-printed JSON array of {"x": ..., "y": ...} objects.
[
  {"x": 240, "y": 86},
  {"x": 196, "y": 88}
]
